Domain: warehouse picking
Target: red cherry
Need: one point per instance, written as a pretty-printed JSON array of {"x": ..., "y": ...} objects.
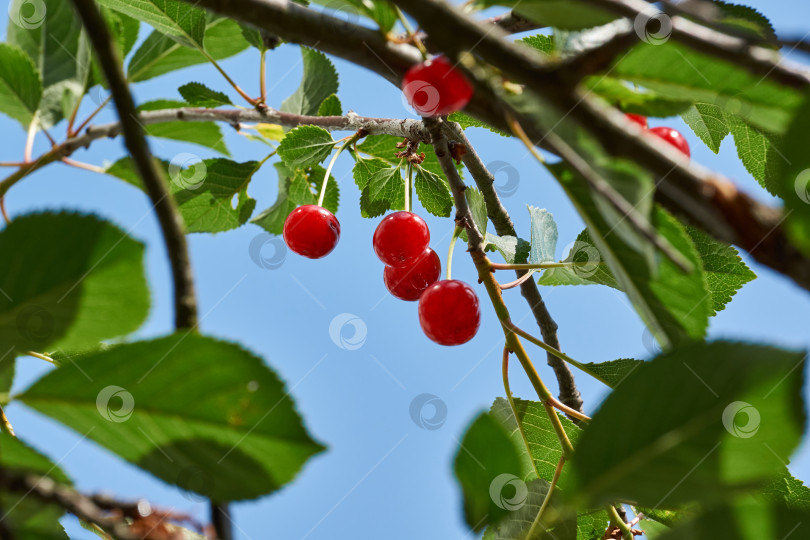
[
  {"x": 435, "y": 87},
  {"x": 673, "y": 137},
  {"x": 408, "y": 282},
  {"x": 401, "y": 238},
  {"x": 311, "y": 231},
  {"x": 449, "y": 313},
  {"x": 638, "y": 119}
]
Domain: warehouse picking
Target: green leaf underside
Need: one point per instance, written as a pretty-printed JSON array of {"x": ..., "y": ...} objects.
[
  {"x": 614, "y": 372},
  {"x": 363, "y": 170},
  {"x": 673, "y": 304},
  {"x": 74, "y": 280},
  {"x": 486, "y": 457},
  {"x": 566, "y": 14},
  {"x": 793, "y": 178},
  {"x": 319, "y": 82},
  {"x": 513, "y": 250},
  {"x": 159, "y": 54},
  {"x": 204, "y": 190},
  {"x": 178, "y": 20},
  {"x": 26, "y": 516},
  {"x": 544, "y": 235},
  {"x": 646, "y": 103},
  {"x": 20, "y": 87},
  {"x": 707, "y": 446},
  {"x": 228, "y": 430}
]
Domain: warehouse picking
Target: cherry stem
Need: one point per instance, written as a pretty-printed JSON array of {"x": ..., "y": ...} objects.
[
  {"x": 456, "y": 233},
  {"x": 511, "y": 400},
  {"x": 413, "y": 35},
  {"x": 262, "y": 77},
  {"x": 349, "y": 142},
  {"x": 408, "y": 187},
  {"x": 517, "y": 283},
  {"x": 29, "y": 141},
  {"x": 233, "y": 84},
  {"x": 538, "y": 266}
]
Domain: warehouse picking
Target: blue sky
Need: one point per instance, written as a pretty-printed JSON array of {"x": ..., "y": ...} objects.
[{"x": 382, "y": 475}]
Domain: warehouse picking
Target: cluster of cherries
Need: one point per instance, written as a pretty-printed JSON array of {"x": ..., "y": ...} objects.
[
  {"x": 448, "y": 309},
  {"x": 672, "y": 136}
]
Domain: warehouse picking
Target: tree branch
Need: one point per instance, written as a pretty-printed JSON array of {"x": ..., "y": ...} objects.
[
  {"x": 412, "y": 129},
  {"x": 109, "y": 514},
  {"x": 497, "y": 213}
]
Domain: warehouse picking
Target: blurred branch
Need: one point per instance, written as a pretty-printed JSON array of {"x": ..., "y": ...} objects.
[
  {"x": 120, "y": 519},
  {"x": 513, "y": 23},
  {"x": 695, "y": 194}
]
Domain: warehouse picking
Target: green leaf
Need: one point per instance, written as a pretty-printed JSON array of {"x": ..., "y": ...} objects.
[
  {"x": 318, "y": 82},
  {"x": 759, "y": 153},
  {"x": 214, "y": 421},
  {"x": 180, "y": 21},
  {"x": 159, "y": 54},
  {"x": 330, "y": 107},
  {"x": 199, "y": 95},
  {"x": 385, "y": 184},
  {"x": 544, "y": 235},
  {"x": 793, "y": 178},
  {"x": 709, "y": 124},
  {"x": 745, "y": 19},
  {"x": 725, "y": 271},
  {"x": 673, "y": 304},
  {"x": 48, "y": 31},
  {"x": 467, "y": 121},
  {"x": 478, "y": 208},
  {"x": 258, "y": 38},
  {"x": 744, "y": 519},
  {"x": 513, "y": 250},
  {"x": 539, "y": 42},
  {"x": 385, "y": 147},
  {"x": 363, "y": 170},
  {"x": 674, "y": 70},
  {"x": 613, "y": 372},
  {"x": 786, "y": 490},
  {"x": 27, "y": 516},
  {"x": 433, "y": 193},
  {"x": 204, "y": 190},
  {"x": 589, "y": 266},
  {"x": 205, "y": 134},
  {"x": 272, "y": 219},
  {"x": 630, "y": 100},
  {"x": 73, "y": 281},
  {"x": 20, "y": 87},
  {"x": 305, "y": 146},
  {"x": 701, "y": 448},
  {"x": 487, "y": 464},
  {"x": 540, "y": 450}
]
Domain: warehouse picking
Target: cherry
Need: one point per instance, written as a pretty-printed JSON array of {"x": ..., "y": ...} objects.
[
  {"x": 401, "y": 238},
  {"x": 311, "y": 231},
  {"x": 638, "y": 119},
  {"x": 435, "y": 87},
  {"x": 449, "y": 313},
  {"x": 673, "y": 137},
  {"x": 408, "y": 282}
]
